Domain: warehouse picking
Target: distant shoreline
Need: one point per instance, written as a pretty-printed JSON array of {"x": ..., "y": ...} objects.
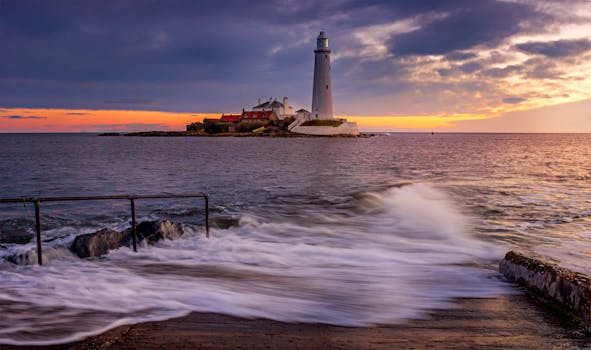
[{"x": 227, "y": 134}]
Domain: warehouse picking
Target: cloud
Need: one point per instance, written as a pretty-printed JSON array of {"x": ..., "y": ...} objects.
[
  {"x": 77, "y": 113},
  {"x": 513, "y": 100},
  {"x": 558, "y": 48},
  {"x": 22, "y": 117},
  {"x": 133, "y": 101},
  {"x": 539, "y": 68},
  {"x": 470, "y": 67},
  {"x": 466, "y": 25},
  {"x": 460, "y": 56},
  {"x": 501, "y": 72}
]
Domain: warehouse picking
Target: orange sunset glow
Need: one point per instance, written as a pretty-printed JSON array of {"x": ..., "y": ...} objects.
[{"x": 83, "y": 120}]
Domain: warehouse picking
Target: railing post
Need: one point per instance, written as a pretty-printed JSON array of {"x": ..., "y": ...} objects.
[
  {"x": 38, "y": 229},
  {"x": 37, "y": 201},
  {"x": 206, "y": 216},
  {"x": 133, "y": 225}
]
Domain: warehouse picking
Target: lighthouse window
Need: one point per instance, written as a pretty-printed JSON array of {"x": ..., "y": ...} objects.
[
  {"x": 326, "y": 87},
  {"x": 326, "y": 56}
]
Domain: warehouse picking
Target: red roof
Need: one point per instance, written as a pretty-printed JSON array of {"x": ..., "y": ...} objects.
[
  {"x": 256, "y": 114},
  {"x": 231, "y": 118}
]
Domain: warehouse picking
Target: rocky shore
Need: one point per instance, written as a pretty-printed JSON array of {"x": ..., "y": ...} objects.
[{"x": 226, "y": 134}]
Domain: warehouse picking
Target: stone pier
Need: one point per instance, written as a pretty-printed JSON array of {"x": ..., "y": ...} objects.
[{"x": 568, "y": 289}]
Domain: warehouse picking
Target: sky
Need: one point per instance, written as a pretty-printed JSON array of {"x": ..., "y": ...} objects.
[{"x": 397, "y": 65}]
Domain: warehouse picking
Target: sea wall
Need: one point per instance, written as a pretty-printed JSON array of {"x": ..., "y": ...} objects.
[
  {"x": 346, "y": 128},
  {"x": 568, "y": 289}
]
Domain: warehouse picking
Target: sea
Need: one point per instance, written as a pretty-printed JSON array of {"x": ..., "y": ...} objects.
[{"x": 342, "y": 231}]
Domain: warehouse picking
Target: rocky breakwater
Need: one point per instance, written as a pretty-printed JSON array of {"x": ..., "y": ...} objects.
[
  {"x": 100, "y": 242},
  {"x": 568, "y": 290}
]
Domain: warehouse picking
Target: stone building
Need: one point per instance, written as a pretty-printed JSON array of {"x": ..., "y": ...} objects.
[{"x": 282, "y": 110}]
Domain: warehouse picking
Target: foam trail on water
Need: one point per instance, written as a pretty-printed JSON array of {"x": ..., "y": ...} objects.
[{"x": 380, "y": 258}]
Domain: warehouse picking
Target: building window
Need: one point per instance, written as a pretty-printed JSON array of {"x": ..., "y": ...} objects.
[
  {"x": 326, "y": 56},
  {"x": 326, "y": 87}
]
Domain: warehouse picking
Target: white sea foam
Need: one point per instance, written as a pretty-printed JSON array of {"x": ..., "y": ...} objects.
[{"x": 390, "y": 256}]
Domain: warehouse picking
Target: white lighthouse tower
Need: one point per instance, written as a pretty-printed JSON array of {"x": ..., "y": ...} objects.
[
  {"x": 320, "y": 120},
  {"x": 322, "y": 92}
]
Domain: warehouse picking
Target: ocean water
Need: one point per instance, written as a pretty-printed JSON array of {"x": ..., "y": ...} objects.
[{"x": 353, "y": 232}]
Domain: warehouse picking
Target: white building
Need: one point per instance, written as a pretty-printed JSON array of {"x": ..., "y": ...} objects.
[
  {"x": 302, "y": 114},
  {"x": 282, "y": 110}
]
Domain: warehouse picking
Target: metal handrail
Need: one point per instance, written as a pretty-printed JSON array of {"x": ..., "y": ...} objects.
[{"x": 37, "y": 201}]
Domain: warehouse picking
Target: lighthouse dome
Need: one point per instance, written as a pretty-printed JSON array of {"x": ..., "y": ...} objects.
[{"x": 322, "y": 42}]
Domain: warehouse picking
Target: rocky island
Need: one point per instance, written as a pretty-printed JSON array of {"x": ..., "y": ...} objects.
[
  {"x": 277, "y": 118},
  {"x": 234, "y": 125}
]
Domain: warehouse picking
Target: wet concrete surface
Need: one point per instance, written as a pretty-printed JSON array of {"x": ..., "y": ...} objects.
[{"x": 506, "y": 322}]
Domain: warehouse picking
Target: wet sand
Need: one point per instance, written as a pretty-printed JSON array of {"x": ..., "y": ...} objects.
[{"x": 506, "y": 322}]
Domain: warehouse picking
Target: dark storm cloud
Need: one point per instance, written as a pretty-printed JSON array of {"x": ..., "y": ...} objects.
[
  {"x": 134, "y": 41},
  {"x": 558, "y": 48},
  {"x": 468, "y": 24},
  {"x": 22, "y": 117}
]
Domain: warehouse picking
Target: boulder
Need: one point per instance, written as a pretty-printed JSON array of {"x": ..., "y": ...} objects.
[
  {"x": 568, "y": 289},
  {"x": 98, "y": 243},
  {"x": 154, "y": 231},
  {"x": 27, "y": 257}
]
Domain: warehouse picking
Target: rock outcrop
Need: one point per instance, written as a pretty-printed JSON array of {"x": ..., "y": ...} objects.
[
  {"x": 154, "y": 231},
  {"x": 568, "y": 289},
  {"x": 100, "y": 242},
  {"x": 27, "y": 257}
]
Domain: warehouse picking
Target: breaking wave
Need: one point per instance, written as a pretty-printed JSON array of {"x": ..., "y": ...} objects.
[{"x": 380, "y": 258}]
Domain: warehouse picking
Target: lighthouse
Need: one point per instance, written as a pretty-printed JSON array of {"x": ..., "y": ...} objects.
[
  {"x": 322, "y": 90},
  {"x": 320, "y": 120}
]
